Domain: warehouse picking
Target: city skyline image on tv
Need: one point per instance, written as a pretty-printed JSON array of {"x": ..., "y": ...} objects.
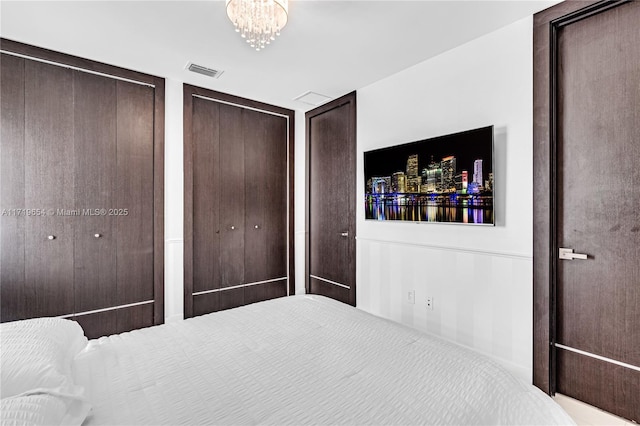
[{"x": 446, "y": 179}]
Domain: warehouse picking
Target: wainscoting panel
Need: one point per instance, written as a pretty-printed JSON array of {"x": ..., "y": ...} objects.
[
  {"x": 173, "y": 272},
  {"x": 482, "y": 300}
]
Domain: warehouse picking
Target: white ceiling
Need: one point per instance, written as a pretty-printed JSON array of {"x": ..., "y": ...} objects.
[{"x": 329, "y": 47}]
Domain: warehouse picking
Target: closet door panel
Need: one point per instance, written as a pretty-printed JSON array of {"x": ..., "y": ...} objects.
[
  {"x": 134, "y": 193},
  {"x": 275, "y": 182},
  {"x": 206, "y": 196},
  {"x": 49, "y": 185},
  {"x": 256, "y": 147},
  {"x": 232, "y": 199},
  {"x": 12, "y": 196},
  {"x": 266, "y": 203},
  {"x": 266, "y": 197},
  {"x": 95, "y": 171}
]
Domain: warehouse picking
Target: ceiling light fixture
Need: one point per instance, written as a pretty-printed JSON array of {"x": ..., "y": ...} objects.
[{"x": 258, "y": 21}]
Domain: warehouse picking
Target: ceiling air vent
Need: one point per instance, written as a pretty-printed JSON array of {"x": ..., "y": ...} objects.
[
  {"x": 209, "y": 72},
  {"x": 312, "y": 98}
]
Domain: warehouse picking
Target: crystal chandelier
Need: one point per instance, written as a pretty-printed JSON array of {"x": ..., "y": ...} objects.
[{"x": 258, "y": 21}]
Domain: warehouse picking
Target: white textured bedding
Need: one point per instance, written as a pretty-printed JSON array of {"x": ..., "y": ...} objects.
[{"x": 299, "y": 360}]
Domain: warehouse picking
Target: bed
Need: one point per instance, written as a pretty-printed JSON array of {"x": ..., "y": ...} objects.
[{"x": 296, "y": 360}]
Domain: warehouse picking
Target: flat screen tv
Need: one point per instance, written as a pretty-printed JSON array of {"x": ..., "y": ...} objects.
[{"x": 446, "y": 179}]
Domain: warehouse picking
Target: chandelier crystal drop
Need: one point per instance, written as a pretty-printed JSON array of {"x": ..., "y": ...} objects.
[{"x": 259, "y": 22}]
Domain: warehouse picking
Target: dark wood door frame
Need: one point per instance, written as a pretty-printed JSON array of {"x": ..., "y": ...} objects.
[
  {"x": 87, "y": 65},
  {"x": 545, "y": 248},
  {"x": 349, "y": 98},
  {"x": 189, "y": 92}
]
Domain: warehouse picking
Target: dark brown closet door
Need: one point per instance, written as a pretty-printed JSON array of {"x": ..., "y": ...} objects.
[
  {"x": 12, "y": 224},
  {"x": 237, "y": 210},
  {"x": 332, "y": 197},
  {"x": 113, "y": 262},
  {"x": 265, "y": 247},
  {"x": 206, "y": 208},
  {"x": 276, "y": 208},
  {"x": 82, "y": 154},
  {"x": 49, "y": 185},
  {"x": 232, "y": 203},
  {"x": 114, "y": 243},
  {"x": 134, "y": 192},
  {"x": 95, "y": 127}
]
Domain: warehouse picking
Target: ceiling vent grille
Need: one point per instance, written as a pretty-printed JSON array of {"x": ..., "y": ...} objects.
[
  {"x": 312, "y": 98},
  {"x": 209, "y": 72}
]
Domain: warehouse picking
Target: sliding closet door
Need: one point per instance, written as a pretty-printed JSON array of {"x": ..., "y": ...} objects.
[
  {"x": 237, "y": 209},
  {"x": 331, "y": 147}
]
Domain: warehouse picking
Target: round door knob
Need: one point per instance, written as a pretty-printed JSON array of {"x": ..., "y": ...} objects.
[
  {"x": 97, "y": 235},
  {"x": 233, "y": 227},
  {"x": 256, "y": 227},
  {"x": 51, "y": 237}
]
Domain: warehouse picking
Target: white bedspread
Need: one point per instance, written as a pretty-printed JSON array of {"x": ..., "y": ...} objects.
[{"x": 299, "y": 360}]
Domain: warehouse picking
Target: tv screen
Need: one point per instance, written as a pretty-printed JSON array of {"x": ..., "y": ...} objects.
[{"x": 446, "y": 179}]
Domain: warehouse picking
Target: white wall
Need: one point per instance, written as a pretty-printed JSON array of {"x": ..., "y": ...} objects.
[
  {"x": 173, "y": 203},
  {"x": 480, "y": 277},
  {"x": 300, "y": 200}
]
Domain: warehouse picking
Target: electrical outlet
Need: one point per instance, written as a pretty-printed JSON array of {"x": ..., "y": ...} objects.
[
  {"x": 430, "y": 303},
  {"x": 411, "y": 297}
]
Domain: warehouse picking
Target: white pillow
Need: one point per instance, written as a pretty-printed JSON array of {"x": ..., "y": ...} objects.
[
  {"x": 36, "y": 355},
  {"x": 42, "y": 409}
]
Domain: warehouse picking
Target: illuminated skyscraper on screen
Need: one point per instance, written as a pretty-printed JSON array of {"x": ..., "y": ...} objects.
[
  {"x": 448, "y": 165},
  {"x": 399, "y": 182},
  {"x": 477, "y": 172}
]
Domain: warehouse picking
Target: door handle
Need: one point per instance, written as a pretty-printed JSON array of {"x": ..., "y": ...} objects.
[
  {"x": 344, "y": 234},
  {"x": 568, "y": 254}
]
